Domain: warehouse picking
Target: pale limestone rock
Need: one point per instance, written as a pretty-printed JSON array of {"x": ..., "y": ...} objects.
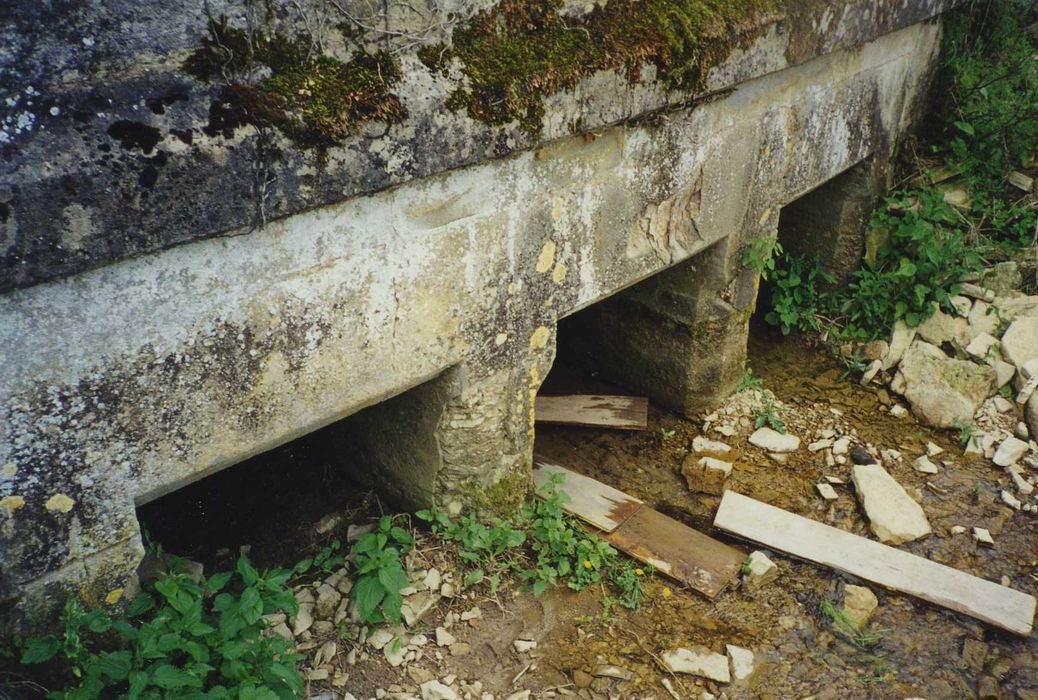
[
  {"x": 976, "y": 292},
  {"x": 702, "y": 444},
  {"x": 417, "y": 606},
  {"x": 900, "y": 339},
  {"x": 1002, "y": 405},
  {"x": 1010, "y": 451},
  {"x": 524, "y": 646},
  {"x": 760, "y": 570},
  {"x": 383, "y": 636},
  {"x": 1031, "y": 414},
  {"x": 870, "y": 372},
  {"x": 942, "y": 391},
  {"x": 983, "y": 318},
  {"x": 1004, "y": 373},
  {"x": 898, "y": 411},
  {"x": 327, "y": 601},
  {"x": 444, "y": 638},
  {"x": 432, "y": 579},
  {"x": 893, "y": 516},
  {"x": 1013, "y": 307},
  {"x": 706, "y": 474},
  {"x": 985, "y": 348},
  {"x": 841, "y": 446},
  {"x": 742, "y": 661},
  {"x": 957, "y": 529},
  {"x": 944, "y": 328},
  {"x": 1010, "y": 500},
  {"x": 773, "y": 441},
  {"x": 962, "y": 305},
  {"x": 982, "y": 536},
  {"x": 304, "y": 619},
  {"x": 698, "y": 661},
  {"x": 820, "y": 445},
  {"x": 923, "y": 465},
  {"x": 1020, "y": 341},
  {"x": 435, "y": 690},
  {"x": 827, "y": 492},
  {"x": 858, "y": 604}
]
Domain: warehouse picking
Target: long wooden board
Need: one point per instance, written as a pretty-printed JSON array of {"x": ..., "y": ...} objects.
[
  {"x": 889, "y": 567},
  {"x": 592, "y": 501},
  {"x": 620, "y": 412},
  {"x": 678, "y": 551}
]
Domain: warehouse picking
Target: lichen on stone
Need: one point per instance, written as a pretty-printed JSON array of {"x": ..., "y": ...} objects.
[
  {"x": 314, "y": 98},
  {"x": 518, "y": 51}
]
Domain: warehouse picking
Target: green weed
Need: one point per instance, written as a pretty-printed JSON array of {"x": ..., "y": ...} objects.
[
  {"x": 768, "y": 415},
  {"x": 845, "y": 627},
  {"x": 177, "y": 640},
  {"x": 380, "y": 574}
]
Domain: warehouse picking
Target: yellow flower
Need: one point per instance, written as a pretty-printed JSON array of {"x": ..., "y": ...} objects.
[
  {"x": 587, "y": 563},
  {"x": 639, "y": 572},
  {"x": 666, "y": 592}
]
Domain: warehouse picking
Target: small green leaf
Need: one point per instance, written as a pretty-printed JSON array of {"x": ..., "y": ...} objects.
[
  {"x": 246, "y": 570},
  {"x": 37, "y": 651}
]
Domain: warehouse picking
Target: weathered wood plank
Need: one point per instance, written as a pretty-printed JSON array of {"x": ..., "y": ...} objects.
[
  {"x": 678, "y": 551},
  {"x": 592, "y": 501},
  {"x": 620, "y": 412},
  {"x": 889, "y": 567}
]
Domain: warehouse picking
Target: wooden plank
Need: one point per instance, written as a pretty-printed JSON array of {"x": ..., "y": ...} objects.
[
  {"x": 678, "y": 551},
  {"x": 592, "y": 501},
  {"x": 889, "y": 567},
  {"x": 621, "y": 412}
]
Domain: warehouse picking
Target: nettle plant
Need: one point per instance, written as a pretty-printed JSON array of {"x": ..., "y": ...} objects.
[
  {"x": 380, "y": 572},
  {"x": 184, "y": 637}
]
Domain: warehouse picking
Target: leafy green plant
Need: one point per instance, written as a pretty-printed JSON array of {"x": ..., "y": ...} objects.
[
  {"x": 989, "y": 111},
  {"x": 171, "y": 643},
  {"x": 749, "y": 382},
  {"x": 797, "y": 296},
  {"x": 380, "y": 573},
  {"x": 966, "y": 432},
  {"x": 545, "y": 547},
  {"x": 768, "y": 415},
  {"x": 845, "y": 627},
  {"x": 761, "y": 253},
  {"x": 854, "y": 366}
]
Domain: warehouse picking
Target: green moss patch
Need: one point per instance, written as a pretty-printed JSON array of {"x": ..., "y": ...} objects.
[
  {"x": 520, "y": 50},
  {"x": 315, "y": 99}
]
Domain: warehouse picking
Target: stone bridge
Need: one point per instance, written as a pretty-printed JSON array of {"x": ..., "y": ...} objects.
[{"x": 200, "y": 262}]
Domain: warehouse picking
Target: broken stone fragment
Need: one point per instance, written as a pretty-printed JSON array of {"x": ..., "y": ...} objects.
[
  {"x": 984, "y": 348},
  {"x": 611, "y": 671},
  {"x": 742, "y": 661},
  {"x": 702, "y": 444},
  {"x": 841, "y": 446},
  {"x": 416, "y": 606},
  {"x": 944, "y": 328},
  {"x": 758, "y": 571},
  {"x": 524, "y": 646},
  {"x": 1020, "y": 341},
  {"x": 304, "y": 619},
  {"x": 982, "y": 536},
  {"x": 820, "y": 445},
  {"x": 827, "y": 492},
  {"x": 944, "y": 392},
  {"x": 444, "y": 638},
  {"x": 706, "y": 474},
  {"x": 773, "y": 441},
  {"x": 858, "y": 605},
  {"x": 923, "y": 465},
  {"x": 1022, "y": 485},
  {"x": 698, "y": 661},
  {"x": 898, "y": 411},
  {"x": 327, "y": 601},
  {"x": 893, "y": 516},
  {"x": 870, "y": 372},
  {"x": 435, "y": 690},
  {"x": 901, "y": 337},
  {"x": 1010, "y": 500},
  {"x": 1010, "y": 451}
]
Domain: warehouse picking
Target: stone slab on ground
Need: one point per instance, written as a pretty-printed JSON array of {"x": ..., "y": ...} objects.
[
  {"x": 698, "y": 661},
  {"x": 1020, "y": 341},
  {"x": 893, "y": 516},
  {"x": 944, "y": 392},
  {"x": 742, "y": 661},
  {"x": 774, "y": 441}
]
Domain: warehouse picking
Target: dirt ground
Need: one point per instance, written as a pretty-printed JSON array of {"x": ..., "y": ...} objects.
[{"x": 920, "y": 650}]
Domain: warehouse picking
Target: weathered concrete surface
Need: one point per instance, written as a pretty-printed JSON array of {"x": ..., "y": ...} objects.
[
  {"x": 111, "y": 149},
  {"x": 125, "y": 382}
]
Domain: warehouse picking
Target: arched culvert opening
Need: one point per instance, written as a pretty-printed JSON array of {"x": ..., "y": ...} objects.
[{"x": 303, "y": 494}]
